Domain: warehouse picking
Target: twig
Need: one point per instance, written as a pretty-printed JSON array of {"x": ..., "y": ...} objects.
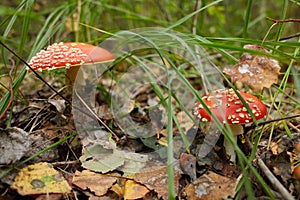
[
  {"x": 274, "y": 181},
  {"x": 70, "y": 162},
  {"x": 276, "y": 21},
  {"x": 274, "y": 120},
  {"x": 290, "y": 37}
]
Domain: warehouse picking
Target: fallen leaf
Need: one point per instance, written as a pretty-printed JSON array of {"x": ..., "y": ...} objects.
[
  {"x": 211, "y": 186},
  {"x": 256, "y": 71},
  {"x": 134, "y": 190},
  {"x": 274, "y": 148},
  {"x": 119, "y": 190},
  {"x": 99, "y": 159},
  {"x": 59, "y": 104},
  {"x": 155, "y": 178},
  {"x": 95, "y": 182},
  {"x": 133, "y": 162},
  {"x": 188, "y": 165},
  {"x": 14, "y": 144},
  {"x": 40, "y": 178}
]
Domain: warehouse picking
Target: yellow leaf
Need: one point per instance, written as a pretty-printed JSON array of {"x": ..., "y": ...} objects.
[
  {"x": 40, "y": 178},
  {"x": 134, "y": 190}
]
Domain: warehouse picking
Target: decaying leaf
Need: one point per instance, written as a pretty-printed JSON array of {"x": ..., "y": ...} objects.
[
  {"x": 133, "y": 162},
  {"x": 40, "y": 178},
  {"x": 134, "y": 190},
  {"x": 155, "y": 178},
  {"x": 256, "y": 71},
  {"x": 95, "y": 182},
  {"x": 99, "y": 159},
  {"x": 58, "y": 103},
  {"x": 14, "y": 144},
  {"x": 188, "y": 165},
  {"x": 211, "y": 186}
]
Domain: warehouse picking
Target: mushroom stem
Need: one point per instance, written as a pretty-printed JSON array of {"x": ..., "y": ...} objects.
[
  {"x": 235, "y": 130},
  {"x": 71, "y": 76}
]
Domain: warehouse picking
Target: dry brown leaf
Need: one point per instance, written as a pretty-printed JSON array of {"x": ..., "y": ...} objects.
[
  {"x": 155, "y": 178},
  {"x": 134, "y": 190},
  {"x": 256, "y": 71},
  {"x": 188, "y": 165},
  {"x": 118, "y": 188},
  {"x": 274, "y": 148},
  {"x": 211, "y": 186},
  {"x": 40, "y": 178},
  {"x": 95, "y": 182}
]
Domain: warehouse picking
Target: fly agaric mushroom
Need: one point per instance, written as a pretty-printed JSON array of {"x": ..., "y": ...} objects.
[
  {"x": 69, "y": 55},
  {"x": 228, "y": 108}
]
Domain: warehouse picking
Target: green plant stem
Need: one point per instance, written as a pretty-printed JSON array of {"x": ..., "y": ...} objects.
[{"x": 247, "y": 19}]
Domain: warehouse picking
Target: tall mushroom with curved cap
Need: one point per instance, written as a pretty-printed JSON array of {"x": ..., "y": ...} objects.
[
  {"x": 228, "y": 108},
  {"x": 69, "y": 55}
]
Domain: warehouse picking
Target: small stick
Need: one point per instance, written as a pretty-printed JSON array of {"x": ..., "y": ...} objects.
[
  {"x": 283, "y": 20},
  {"x": 274, "y": 181}
]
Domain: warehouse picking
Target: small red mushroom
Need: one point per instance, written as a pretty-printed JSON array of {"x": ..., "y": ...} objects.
[
  {"x": 69, "y": 55},
  {"x": 228, "y": 108}
]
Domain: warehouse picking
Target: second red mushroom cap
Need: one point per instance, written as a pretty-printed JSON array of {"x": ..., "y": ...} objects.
[{"x": 228, "y": 108}]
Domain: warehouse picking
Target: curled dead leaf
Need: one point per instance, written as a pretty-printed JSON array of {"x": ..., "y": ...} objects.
[{"x": 255, "y": 71}]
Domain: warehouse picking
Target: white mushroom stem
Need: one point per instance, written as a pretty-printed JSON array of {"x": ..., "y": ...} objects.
[{"x": 235, "y": 130}]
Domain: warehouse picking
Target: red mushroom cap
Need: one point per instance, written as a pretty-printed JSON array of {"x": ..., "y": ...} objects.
[
  {"x": 68, "y": 54},
  {"x": 227, "y": 107}
]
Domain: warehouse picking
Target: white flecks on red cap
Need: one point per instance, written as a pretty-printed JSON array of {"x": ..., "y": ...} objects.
[
  {"x": 69, "y": 54},
  {"x": 227, "y": 107},
  {"x": 56, "y": 56}
]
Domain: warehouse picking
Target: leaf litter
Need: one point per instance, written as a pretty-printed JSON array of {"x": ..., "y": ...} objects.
[{"x": 133, "y": 175}]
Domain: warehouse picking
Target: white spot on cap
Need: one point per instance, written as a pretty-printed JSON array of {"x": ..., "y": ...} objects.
[{"x": 244, "y": 68}]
